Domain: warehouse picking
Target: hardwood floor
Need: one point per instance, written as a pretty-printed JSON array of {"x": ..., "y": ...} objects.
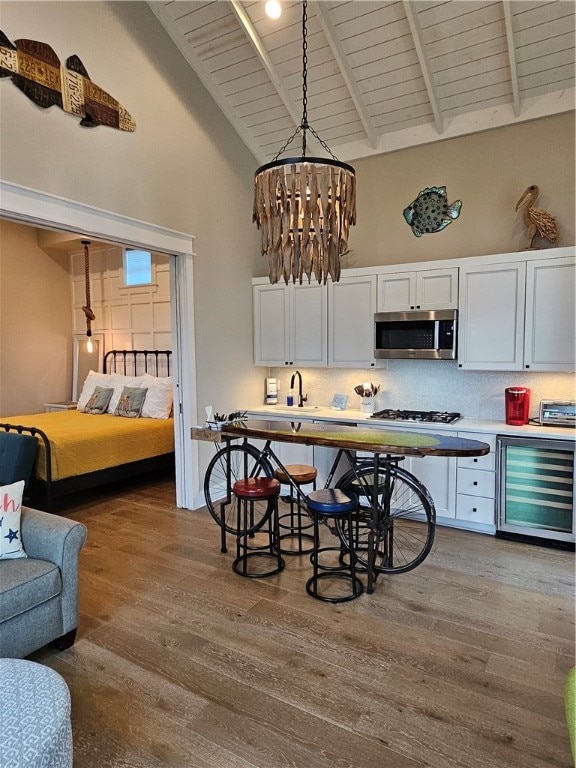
[{"x": 180, "y": 662}]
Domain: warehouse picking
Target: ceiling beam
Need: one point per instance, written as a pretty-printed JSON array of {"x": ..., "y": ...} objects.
[
  {"x": 340, "y": 55},
  {"x": 412, "y": 16},
  {"x": 265, "y": 60},
  {"x": 507, "y": 7},
  {"x": 204, "y": 74}
]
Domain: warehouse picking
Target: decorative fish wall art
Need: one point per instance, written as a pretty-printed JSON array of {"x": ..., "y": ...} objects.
[
  {"x": 430, "y": 211},
  {"x": 36, "y": 70}
]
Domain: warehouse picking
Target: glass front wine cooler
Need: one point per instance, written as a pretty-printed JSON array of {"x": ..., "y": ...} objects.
[{"x": 535, "y": 495}]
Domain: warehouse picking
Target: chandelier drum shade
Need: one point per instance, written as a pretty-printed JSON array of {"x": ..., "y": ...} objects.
[{"x": 304, "y": 206}]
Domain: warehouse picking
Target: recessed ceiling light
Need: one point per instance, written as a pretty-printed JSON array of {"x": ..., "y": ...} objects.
[{"x": 273, "y": 9}]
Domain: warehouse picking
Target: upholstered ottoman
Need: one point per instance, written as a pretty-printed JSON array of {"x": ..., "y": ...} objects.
[{"x": 35, "y": 727}]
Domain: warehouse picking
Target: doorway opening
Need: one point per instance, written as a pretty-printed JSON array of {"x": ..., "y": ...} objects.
[{"x": 39, "y": 209}]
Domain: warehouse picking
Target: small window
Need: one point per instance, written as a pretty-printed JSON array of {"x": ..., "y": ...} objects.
[{"x": 137, "y": 267}]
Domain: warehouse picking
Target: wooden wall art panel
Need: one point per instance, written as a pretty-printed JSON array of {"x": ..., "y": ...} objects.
[{"x": 36, "y": 70}]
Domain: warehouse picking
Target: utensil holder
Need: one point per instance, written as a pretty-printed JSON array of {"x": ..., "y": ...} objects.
[{"x": 367, "y": 405}]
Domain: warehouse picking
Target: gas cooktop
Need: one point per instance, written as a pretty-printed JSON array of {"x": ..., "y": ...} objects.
[{"x": 430, "y": 417}]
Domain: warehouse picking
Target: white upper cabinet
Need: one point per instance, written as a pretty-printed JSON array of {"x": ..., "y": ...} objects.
[
  {"x": 351, "y": 308},
  {"x": 491, "y": 317},
  {"x": 426, "y": 289},
  {"x": 550, "y": 338},
  {"x": 518, "y": 316},
  {"x": 290, "y": 324}
]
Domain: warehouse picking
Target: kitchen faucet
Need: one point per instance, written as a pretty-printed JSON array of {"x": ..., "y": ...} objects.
[{"x": 301, "y": 398}]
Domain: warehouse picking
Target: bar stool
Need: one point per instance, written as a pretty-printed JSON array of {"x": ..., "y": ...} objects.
[
  {"x": 293, "y": 522},
  {"x": 266, "y": 538},
  {"x": 324, "y": 504}
]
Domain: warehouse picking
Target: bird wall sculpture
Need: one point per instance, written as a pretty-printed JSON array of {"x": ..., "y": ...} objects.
[{"x": 537, "y": 221}]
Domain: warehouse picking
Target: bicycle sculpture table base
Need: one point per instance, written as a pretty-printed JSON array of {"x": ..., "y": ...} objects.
[{"x": 394, "y": 526}]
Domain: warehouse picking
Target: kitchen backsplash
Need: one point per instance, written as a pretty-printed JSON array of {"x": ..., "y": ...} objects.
[{"x": 429, "y": 385}]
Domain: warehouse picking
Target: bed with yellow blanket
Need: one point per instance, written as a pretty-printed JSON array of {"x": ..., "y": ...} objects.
[{"x": 79, "y": 450}]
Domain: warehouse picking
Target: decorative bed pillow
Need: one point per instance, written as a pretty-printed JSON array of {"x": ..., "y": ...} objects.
[
  {"x": 115, "y": 380},
  {"x": 10, "y": 512},
  {"x": 158, "y": 403},
  {"x": 131, "y": 402},
  {"x": 99, "y": 400}
]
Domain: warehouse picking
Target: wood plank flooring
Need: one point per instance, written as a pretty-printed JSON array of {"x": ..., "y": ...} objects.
[{"x": 180, "y": 662}]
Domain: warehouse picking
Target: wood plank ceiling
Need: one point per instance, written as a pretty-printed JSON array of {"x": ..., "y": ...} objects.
[{"x": 382, "y": 75}]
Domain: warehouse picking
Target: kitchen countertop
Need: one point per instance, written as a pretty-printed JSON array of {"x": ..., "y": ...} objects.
[{"x": 350, "y": 415}]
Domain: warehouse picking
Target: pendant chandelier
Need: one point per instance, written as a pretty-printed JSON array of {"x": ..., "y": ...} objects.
[
  {"x": 304, "y": 206},
  {"x": 87, "y": 309}
]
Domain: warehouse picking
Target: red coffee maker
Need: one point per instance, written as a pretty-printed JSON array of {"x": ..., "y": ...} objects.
[{"x": 517, "y": 405}]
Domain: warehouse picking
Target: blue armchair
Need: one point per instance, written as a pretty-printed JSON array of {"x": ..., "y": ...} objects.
[{"x": 39, "y": 594}]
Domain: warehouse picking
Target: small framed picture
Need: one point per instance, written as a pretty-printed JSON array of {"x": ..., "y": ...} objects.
[{"x": 339, "y": 402}]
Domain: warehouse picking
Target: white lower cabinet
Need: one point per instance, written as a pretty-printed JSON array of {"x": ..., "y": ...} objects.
[
  {"x": 436, "y": 473},
  {"x": 476, "y": 486}
]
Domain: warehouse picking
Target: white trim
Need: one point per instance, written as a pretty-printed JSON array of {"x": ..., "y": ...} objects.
[
  {"x": 43, "y": 209},
  {"x": 37, "y": 208},
  {"x": 185, "y": 403}
]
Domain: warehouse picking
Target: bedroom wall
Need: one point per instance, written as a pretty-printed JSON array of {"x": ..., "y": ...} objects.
[
  {"x": 35, "y": 323},
  {"x": 129, "y": 317},
  {"x": 183, "y": 168}
]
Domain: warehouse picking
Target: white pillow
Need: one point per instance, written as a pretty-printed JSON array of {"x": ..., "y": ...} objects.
[
  {"x": 10, "y": 512},
  {"x": 158, "y": 403},
  {"x": 116, "y": 381}
]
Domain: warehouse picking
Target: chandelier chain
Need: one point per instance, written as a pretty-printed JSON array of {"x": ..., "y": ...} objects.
[
  {"x": 322, "y": 143},
  {"x": 287, "y": 144},
  {"x": 304, "y": 124}
]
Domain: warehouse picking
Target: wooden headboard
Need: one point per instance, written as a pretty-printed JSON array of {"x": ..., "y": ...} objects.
[{"x": 135, "y": 362}]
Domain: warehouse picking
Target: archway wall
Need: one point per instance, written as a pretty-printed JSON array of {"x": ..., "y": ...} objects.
[{"x": 183, "y": 169}]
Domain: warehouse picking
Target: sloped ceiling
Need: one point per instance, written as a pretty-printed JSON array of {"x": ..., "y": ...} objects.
[{"x": 381, "y": 75}]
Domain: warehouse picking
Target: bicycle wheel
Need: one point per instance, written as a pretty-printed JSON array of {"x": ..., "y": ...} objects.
[
  {"x": 406, "y": 521},
  {"x": 245, "y": 461}
]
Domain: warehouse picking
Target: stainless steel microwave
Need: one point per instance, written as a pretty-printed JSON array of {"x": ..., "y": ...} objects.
[{"x": 419, "y": 335}]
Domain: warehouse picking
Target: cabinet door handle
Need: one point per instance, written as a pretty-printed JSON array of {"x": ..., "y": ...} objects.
[
  {"x": 474, "y": 509},
  {"x": 474, "y": 460},
  {"x": 475, "y": 482},
  {"x": 417, "y": 306}
]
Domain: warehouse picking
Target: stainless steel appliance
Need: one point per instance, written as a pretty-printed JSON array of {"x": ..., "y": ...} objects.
[
  {"x": 557, "y": 413},
  {"x": 535, "y": 493},
  {"x": 420, "y": 335},
  {"x": 427, "y": 417}
]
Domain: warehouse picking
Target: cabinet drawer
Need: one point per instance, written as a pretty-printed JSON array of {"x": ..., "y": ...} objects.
[
  {"x": 483, "y": 437},
  {"x": 476, "y": 482},
  {"x": 475, "y": 509},
  {"x": 487, "y": 462}
]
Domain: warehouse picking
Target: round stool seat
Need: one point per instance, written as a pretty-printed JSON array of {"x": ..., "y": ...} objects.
[
  {"x": 298, "y": 473},
  {"x": 330, "y": 502},
  {"x": 35, "y": 715},
  {"x": 257, "y": 488}
]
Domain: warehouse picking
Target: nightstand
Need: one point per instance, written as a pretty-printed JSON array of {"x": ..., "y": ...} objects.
[{"x": 65, "y": 405}]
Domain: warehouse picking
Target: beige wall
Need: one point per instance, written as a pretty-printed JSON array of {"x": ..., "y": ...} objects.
[
  {"x": 183, "y": 168},
  {"x": 35, "y": 323},
  {"x": 486, "y": 171}
]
